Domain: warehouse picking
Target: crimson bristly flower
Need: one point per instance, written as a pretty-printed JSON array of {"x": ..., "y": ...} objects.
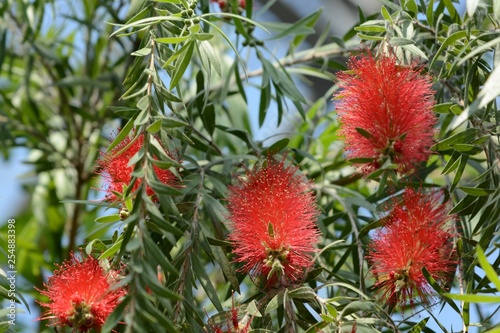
[
  {"x": 225, "y": 4},
  {"x": 117, "y": 173},
  {"x": 417, "y": 233},
  {"x": 82, "y": 294},
  {"x": 386, "y": 113},
  {"x": 273, "y": 214}
]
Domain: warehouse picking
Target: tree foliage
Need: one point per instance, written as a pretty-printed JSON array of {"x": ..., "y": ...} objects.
[{"x": 180, "y": 75}]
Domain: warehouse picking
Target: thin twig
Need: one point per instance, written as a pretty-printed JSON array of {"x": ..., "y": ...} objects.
[{"x": 322, "y": 52}]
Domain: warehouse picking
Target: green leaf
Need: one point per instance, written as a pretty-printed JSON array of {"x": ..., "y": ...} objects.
[
  {"x": 438, "y": 289},
  {"x": 463, "y": 204},
  {"x": 430, "y": 13},
  {"x": 371, "y": 26},
  {"x": 496, "y": 329},
  {"x": 474, "y": 298},
  {"x": 116, "y": 316},
  {"x": 111, "y": 250},
  {"x": 143, "y": 103},
  {"x": 182, "y": 64},
  {"x": 368, "y": 37},
  {"x": 367, "y": 321},
  {"x": 465, "y": 148},
  {"x": 145, "y": 22},
  {"x": 133, "y": 244},
  {"x": 194, "y": 29},
  {"x": 142, "y": 118},
  {"x": 481, "y": 140},
  {"x": 153, "y": 315},
  {"x": 161, "y": 164},
  {"x": 240, "y": 28},
  {"x": 142, "y": 52},
  {"x": 208, "y": 118},
  {"x": 373, "y": 225},
  {"x": 299, "y": 27},
  {"x": 411, "y": 6},
  {"x": 347, "y": 286},
  {"x": 488, "y": 269},
  {"x": 496, "y": 12},
  {"x": 202, "y": 276},
  {"x": 297, "y": 40},
  {"x": 475, "y": 191},
  {"x": 203, "y": 36},
  {"x": 227, "y": 38},
  {"x": 169, "y": 122},
  {"x": 355, "y": 306},
  {"x": 96, "y": 244},
  {"x": 304, "y": 293},
  {"x": 364, "y": 133},
  {"x": 239, "y": 82},
  {"x": 153, "y": 251},
  {"x": 216, "y": 207},
  {"x": 386, "y": 15},
  {"x": 415, "y": 50},
  {"x": 489, "y": 91},
  {"x": 207, "y": 51},
  {"x": 274, "y": 303},
  {"x": 391, "y": 5},
  {"x": 452, "y": 11},
  {"x": 243, "y": 135},
  {"x": 459, "y": 172},
  {"x": 177, "y": 2},
  {"x": 265, "y": 100},
  {"x": 108, "y": 218},
  {"x": 400, "y": 41},
  {"x": 447, "y": 42},
  {"x": 288, "y": 87},
  {"x": 479, "y": 49},
  {"x": 417, "y": 328},
  {"x": 172, "y": 40},
  {"x": 280, "y": 27},
  {"x": 155, "y": 127},
  {"x": 276, "y": 147},
  {"x": 163, "y": 189},
  {"x": 226, "y": 267},
  {"x": 452, "y": 163},
  {"x": 443, "y": 107},
  {"x": 458, "y": 138},
  {"x": 269, "y": 68},
  {"x": 253, "y": 310},
  {"x": 159, "y": 290},
  {"x": 331, "y": 310}
]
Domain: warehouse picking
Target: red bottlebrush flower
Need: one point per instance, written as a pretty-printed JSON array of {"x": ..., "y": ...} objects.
[
  {"x": 225, "y": 5},
  {"x": 82, "y": 295},
  {"x": 385, "y": 112},
  {"x": 417, "y": 234},
  {"x": 117, "y": 173},
  {"x": 273, "y": 217}
]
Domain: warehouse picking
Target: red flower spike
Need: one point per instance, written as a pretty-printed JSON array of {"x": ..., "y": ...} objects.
[
  {"x": 417, "y": 234},
  {"x": 82, "y": 295},
  {"x": 385, "y": 112},
  {"x": 117, "y": 173},
  {"x": 273, "y": 217},
  {"x": 225, "y": 5}
]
